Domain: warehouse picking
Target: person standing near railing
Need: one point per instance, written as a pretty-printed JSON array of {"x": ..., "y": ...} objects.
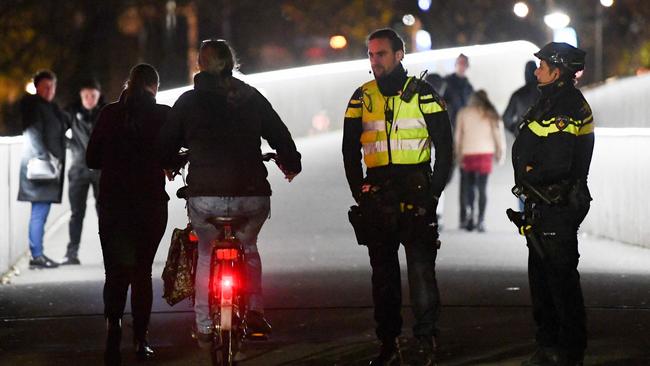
[
  {"x": 84, "y": 113},
  {"x": 44, "y": 126}
]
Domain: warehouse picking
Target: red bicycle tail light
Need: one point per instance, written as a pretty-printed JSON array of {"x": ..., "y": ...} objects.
[
  {"x": 192, "y": 237},
  {"x": 227, "y": 282},
  {"x": 227, "y": 254}
]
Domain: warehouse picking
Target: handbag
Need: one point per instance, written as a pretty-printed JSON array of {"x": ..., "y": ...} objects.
[
  {"x": 180, "y": 268},
  {"x": 44, "y": 169}
]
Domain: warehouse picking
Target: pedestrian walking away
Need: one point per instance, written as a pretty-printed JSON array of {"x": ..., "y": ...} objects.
[
  {"x": 479, "y": 139},
  {"x": 391, "y": 122},
  {"x": 457, "y": 92},
  {"x": 132, "y": 205}
]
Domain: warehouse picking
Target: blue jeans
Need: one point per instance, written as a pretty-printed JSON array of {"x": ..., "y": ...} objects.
[
  {"x": 256, "y": 209},
  {"x": 40, "y": 210}
]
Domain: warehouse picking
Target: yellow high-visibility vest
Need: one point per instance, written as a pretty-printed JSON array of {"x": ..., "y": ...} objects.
[{"x": 405, "y": 139}]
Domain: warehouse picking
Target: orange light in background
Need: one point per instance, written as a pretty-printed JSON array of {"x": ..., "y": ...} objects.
[{"x": 337, "y": 42}]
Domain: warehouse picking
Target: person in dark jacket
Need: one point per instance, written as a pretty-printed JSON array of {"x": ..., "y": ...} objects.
[
  {"x": 222, "y": 122},
  {"x": 132, "y": 204},
  {"x": 552, "y": 154},
  {"x": 84, "y": 113},
  {"x": 458, "y": 89},
  {"x": 44, "y": 126},
  {"x": 521, "y": 100}
]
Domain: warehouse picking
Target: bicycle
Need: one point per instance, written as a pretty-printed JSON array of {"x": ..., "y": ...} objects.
[{"x": 227, "y": 305}]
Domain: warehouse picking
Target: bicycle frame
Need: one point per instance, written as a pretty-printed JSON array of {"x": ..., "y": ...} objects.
[{"x": 227, "y": 305}]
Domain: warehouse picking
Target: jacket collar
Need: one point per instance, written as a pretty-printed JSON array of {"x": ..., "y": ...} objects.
[{"x": 392, "y": 84}]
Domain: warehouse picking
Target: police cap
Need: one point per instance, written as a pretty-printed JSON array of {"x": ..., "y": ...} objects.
[{"x": 563, "y": 55}]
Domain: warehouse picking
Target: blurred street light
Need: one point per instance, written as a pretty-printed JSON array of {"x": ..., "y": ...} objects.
[
  {"x": 338, "y": 42},
  {"x": 422, "y": 40},
  {"x": 521, "y": 9},
  {"x": 30, "y": 88},
  {"x": 424, "y": 4},
  {"x": 557, "y": 20},
  {"x": 408, "y": 20},
  {"x": 566, "y": 35},
  {"x": 607, "y": 3}
]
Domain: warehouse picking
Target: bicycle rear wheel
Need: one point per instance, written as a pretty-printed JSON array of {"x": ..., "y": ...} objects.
[{"x": 224, "y": 350}]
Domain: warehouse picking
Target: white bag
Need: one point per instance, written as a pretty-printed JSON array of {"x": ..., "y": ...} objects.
[{"x": 44, "y": 169}]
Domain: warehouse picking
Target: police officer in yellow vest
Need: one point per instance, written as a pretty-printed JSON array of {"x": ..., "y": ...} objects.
[
  {"x": 551, "y": 157},
  {"x": 394, "y": 120}
]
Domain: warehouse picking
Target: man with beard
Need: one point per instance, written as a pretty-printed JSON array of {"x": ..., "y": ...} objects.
[{"x": 394, "y": 119}]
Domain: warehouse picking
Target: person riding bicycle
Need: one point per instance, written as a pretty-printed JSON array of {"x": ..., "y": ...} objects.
[{"x": 221, "y": 122}]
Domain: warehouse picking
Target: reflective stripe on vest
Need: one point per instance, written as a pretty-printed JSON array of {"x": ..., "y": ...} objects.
[
  {"x": 409, "y": 138},
  {"x": 562, "y": 124}
]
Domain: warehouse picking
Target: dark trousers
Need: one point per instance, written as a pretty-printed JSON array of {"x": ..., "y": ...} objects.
[
  {"x": 80, "y": 180},
  {"x": 461, "y": 198},
  {"x": 130, "y": 236},
  {"x": 558, "y": 305},
  {"x": 472, "y": 183},
  {"x": 387, "y": 286}
]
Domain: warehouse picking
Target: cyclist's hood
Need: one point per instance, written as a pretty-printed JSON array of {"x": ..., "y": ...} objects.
[{"x": 236, "y": 91}]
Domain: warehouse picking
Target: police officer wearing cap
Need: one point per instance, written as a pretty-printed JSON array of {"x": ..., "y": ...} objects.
[
  {"x": 394, "y": 120},
  {"x": 551, "y": 157}
]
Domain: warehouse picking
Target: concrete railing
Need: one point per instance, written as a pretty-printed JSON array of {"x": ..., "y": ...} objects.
[
  {"x": 618, "y": 182},
  {"x": 14, "y": 215},
  {"x": 621, "y": 103}
]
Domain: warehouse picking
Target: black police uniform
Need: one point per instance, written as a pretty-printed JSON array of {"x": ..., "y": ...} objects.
[{"x": 552, "y": 153}]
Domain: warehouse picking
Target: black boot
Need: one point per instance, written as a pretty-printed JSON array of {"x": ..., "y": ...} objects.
[
  {"x": 543, "y": 356},
  {"x": 143, "y": 350},
  {"x": 112, "y": 355},
  {"x": 425, "y": 351},
  {"x": 389, "y": 354}
]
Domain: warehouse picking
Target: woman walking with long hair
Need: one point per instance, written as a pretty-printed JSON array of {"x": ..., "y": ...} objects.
[
  {"x": 479, "y": 139},
  {"x": 132, "y": 204}
]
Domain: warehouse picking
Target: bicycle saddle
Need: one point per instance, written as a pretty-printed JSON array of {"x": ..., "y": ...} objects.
[{"x": 219, "y": 221}]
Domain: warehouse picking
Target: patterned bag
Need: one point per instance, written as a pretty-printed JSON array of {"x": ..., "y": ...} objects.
[{"x": 179, "y": 272}]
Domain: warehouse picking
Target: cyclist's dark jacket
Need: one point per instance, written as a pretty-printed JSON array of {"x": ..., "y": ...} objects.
[
  {"x": 556, "y": 138},
  {"x": 222, "y": 129}
]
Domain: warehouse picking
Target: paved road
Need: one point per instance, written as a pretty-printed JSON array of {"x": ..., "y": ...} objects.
[{"x": 317, "y": 288}]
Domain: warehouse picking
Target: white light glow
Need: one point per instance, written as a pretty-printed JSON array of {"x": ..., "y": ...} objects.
[
  {"x": 607, "y": 3},
  {"x": 408, "y": 19},
  {"x": 567, "y": 35},
  {"x": 422, "y": 40},
  {"x": 521, "y": 9},
  {"x": 424, "y": 4},
  {"x": 30, "y": 88},
  {"x": 557, "y": 20},
  {"x": 226, "y": 282}
]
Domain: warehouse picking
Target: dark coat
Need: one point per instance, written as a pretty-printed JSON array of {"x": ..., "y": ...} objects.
[
  {"x": 44, "y": 126},
  {"x": 122, "y": 146},
  {"x": 223, "y": 129},
  {"x": 82, "y": 123},
  {"x": 521, "y": 100},
  {"x": 457, "y": 92}
]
